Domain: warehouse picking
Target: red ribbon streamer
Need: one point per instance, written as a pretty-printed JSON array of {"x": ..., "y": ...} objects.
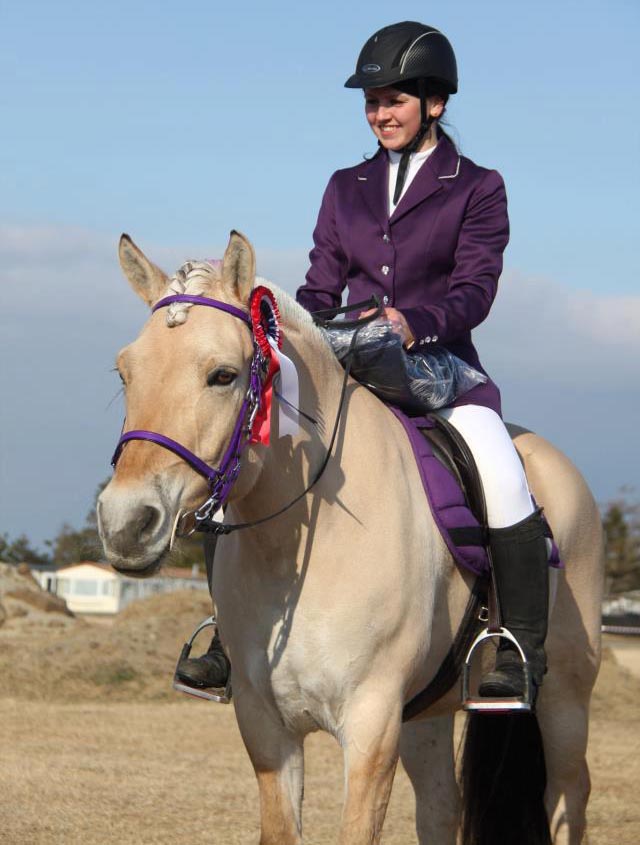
[
  {"x": 266, "y": 326},
  {"x": 261, "y": 430}
]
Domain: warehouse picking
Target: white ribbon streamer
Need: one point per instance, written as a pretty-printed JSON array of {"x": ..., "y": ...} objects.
[{"x": 287, "y": 394}]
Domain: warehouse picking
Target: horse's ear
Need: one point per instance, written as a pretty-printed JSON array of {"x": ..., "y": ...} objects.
[
  {"x": 239, "y": 266},
  {"x": 147, "y": 280}
]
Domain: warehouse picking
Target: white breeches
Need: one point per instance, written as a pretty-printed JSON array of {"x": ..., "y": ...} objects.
[{"x": 505, "y": 484}]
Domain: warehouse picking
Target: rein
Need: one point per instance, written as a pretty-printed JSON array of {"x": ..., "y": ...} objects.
[{"x": 222, "y": 478}]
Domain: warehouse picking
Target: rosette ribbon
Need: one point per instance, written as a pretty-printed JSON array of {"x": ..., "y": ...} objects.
[{"x": 281, "y": 377}]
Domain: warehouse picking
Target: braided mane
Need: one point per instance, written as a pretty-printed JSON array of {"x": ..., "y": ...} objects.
[
  {"x": 194, "y": 278},
  {"x": 197, "y": 278}
]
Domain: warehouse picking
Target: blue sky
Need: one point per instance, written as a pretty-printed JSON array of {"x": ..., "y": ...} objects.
[{"x": 178, "y": 123}]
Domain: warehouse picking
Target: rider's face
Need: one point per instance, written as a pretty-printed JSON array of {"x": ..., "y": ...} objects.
[{"x": 394, "y": 116}]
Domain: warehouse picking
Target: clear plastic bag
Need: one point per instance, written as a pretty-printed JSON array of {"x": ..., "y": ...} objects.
[{"x": 414, "y": 381}]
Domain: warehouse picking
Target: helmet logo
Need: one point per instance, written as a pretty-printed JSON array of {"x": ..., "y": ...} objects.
[{"x": 371, "y": 68}]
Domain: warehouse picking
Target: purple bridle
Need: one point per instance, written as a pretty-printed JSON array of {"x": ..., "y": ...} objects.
[{"x": 222, "y": 478}]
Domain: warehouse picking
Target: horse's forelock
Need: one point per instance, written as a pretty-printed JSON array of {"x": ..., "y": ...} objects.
[{"x": 195, "y": 279}]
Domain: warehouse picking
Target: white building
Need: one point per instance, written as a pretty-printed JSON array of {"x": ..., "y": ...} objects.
[{"x": 96, "y": 588}]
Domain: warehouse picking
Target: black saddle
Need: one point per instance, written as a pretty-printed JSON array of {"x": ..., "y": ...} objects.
[{"x": 451, "y": 449}]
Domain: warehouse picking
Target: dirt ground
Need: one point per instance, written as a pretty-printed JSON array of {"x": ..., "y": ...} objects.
[{"x": 97, "y": 747}]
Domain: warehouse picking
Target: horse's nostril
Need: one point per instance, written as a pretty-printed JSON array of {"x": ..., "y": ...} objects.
[{"x": 149, "y": 519}]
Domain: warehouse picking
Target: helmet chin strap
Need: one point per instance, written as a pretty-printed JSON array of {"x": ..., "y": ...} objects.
[{"x": 412, "y": 146}]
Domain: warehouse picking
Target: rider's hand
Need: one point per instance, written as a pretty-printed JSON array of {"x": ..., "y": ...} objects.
[{"x": 398, "y": 323}]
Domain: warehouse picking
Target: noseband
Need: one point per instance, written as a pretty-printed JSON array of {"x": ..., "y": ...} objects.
[{"x": 222, "y": 478}]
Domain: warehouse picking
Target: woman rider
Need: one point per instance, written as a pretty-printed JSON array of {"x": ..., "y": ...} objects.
[{"x": 425, "y": 229}]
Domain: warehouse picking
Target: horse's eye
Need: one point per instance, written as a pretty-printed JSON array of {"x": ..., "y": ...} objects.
[{"x": 221, "y": 377}]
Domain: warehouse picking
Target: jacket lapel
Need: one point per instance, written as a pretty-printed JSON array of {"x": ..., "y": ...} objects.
[
  {"x": 372, "y": 183},
  {"x": 442, "y": 164}
]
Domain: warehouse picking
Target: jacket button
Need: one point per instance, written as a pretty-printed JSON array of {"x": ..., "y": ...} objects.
[
  {"x": 434, "y": 339},
  {"x": 386, "y": 238},
  {"x": 385, "y": 300},
  {"x": 385, "y": 269}
]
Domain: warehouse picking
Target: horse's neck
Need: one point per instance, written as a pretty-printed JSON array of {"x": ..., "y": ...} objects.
[
  {"x": 320, "y": 380},
  {"x": 290, "y": 463}
]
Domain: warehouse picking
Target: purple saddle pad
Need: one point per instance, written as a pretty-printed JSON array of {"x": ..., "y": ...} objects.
[{"x": 446, "y": 499}]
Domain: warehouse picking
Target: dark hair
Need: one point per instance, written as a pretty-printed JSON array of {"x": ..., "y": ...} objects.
[
  {"x": 412, "y": 87},
  {"x": 440, "y": 132}
]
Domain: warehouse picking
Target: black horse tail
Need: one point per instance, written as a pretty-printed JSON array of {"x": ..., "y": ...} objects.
[{"x": 503, "y": 781}]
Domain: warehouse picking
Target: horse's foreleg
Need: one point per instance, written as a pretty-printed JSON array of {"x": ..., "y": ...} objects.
[
  {"x": 277, "y": 757},
  {"x": 370, "y": 739},
  {"x": 426, "y": 751}
]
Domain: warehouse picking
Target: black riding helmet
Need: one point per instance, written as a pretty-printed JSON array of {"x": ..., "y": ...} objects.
[
  {"x": 405, "y": 51},
  {"x": 408, "y": 52}
]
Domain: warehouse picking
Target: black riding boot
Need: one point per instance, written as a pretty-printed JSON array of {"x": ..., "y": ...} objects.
[
  {"x": 521, "y": 572},
  {"x": 210, "y": 670}
]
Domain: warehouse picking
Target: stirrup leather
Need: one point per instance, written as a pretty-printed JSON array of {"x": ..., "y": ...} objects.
[
  {"x": 222, "y": 696},
  {"x": 520, "y": 704}
]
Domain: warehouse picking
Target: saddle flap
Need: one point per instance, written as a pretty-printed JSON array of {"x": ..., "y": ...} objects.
[{"x": 450, "y": 448}]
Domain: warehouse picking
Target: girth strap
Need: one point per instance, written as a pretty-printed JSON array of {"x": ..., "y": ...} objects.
[
  {"x": 469, "y": 535},
  {"x": 451, "y": 666}
]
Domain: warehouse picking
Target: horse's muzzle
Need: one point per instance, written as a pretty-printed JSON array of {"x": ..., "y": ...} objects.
[{"x": 135, "y": 530}]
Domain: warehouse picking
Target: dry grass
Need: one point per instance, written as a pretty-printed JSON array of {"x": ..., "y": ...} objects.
[
  {"x": 53, "y": 658},
  {"x": 100, "y": 750}
]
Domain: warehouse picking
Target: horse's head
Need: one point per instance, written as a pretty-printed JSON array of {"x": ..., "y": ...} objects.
[{"x": 186, "y": 377}]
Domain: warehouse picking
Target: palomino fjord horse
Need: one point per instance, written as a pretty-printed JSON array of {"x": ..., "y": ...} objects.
[{"x": 340, "y": 610}]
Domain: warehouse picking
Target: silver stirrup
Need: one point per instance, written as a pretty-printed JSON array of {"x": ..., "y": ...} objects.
[
  {"x": 519, "y": 704},
  {"x": 222, "y": 696}
]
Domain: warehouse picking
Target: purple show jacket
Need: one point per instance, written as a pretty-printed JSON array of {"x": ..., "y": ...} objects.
[{"x": 437, "y": 259}]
